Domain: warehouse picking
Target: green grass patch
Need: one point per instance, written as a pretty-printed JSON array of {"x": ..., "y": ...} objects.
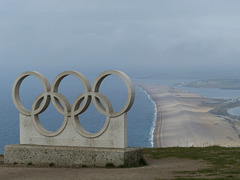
[
  {"x": 142, "y": 162},
  {"x": 224, "y": 161},
  {"x": 109, "y": 165},
  {"x": 51, "y": 164},
  {"x": 191, "y": 178}
]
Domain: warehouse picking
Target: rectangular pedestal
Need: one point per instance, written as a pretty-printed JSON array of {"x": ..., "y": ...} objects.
[
  {"x": 114, "y": 136},
  {"x": 67, "y": 156}
]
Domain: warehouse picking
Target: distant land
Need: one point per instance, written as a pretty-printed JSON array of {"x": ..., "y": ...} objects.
[{"x": 214, "y": 83}]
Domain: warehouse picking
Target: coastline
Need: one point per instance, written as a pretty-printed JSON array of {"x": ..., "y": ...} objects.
[
  {"x": 155, "y": 116},
  {"x": 156, "y": 132},
  {"x": 182, "y": 120}
]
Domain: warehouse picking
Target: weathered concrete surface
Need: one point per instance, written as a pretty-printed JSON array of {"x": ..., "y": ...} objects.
[
  {"x": 70, "y": 156},
  {"x": 164, "y": 168},
  {"x": 115, "y": 135}
]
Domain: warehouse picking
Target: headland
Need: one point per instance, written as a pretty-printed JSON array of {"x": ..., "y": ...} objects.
[{"x": 184, "y": 120}]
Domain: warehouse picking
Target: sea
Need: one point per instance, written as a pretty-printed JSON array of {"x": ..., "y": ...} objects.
[
  {"x": 140, "y": 119},
  {"x": 214, "y": 93}
]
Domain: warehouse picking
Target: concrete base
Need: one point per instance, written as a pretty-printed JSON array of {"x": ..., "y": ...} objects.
[
  {"x": 115, "y": 136},
  {"x": 66, "y": 156}
]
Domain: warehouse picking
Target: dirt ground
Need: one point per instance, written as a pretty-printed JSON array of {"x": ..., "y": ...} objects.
[{"x": 156, "y": 169}]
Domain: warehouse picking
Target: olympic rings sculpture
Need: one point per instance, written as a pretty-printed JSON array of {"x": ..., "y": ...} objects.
[{"x": 80, "y": 104}]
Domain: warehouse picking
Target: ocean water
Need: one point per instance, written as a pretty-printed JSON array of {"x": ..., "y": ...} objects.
[
  {"x": 213, "y": 92},
  {"x": 140, "y": 119},
  {"x": 234, "y": 111}
]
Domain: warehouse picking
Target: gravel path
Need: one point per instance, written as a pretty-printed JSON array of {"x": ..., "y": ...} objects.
[{"x": 157, "y": 169}]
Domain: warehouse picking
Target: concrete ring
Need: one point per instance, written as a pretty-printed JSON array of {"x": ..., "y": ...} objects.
[
  {"x": 84, "y": 100},
  {"x": 58, "y": 80},
  {"x": 37, "y": 124},
  {"x": 41, "y": 103},
  {"x": 60, "y": 103},
  {"x": 78, "y": 127},
  {"x": 128, "y": 83},
  {"x": 16, "y": 87}
]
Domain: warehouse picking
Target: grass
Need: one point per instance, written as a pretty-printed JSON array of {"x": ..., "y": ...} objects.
[
  {"x": 51, "y": 164},
  {"x": 225, "y": 162},
  {"x": 142, "y": 162},
  {"x": 109, "y": 165},
  {"x": 29, "y": 164}
]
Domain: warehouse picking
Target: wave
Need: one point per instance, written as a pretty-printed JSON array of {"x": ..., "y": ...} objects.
[{"x": 151, "y": 134}]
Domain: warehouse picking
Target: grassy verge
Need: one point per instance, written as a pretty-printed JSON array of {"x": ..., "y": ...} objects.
[{"x": 225, "y": 161}]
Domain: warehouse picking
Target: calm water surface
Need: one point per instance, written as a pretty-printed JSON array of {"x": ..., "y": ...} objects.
[
  {"x": 234, "y": 111},
  {"x": 140, "y": 118}
]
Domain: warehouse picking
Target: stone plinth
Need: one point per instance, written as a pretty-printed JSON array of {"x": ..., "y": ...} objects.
[
  {"x": 115, "y": 135},
  {"x": 66, "y": 156},
  {"x": 71, "y": 145}
]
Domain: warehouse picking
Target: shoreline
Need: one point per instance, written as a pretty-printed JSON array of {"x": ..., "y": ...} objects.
[
  {"x": 155, "y": 115},
  {"x": 156, "y": 132},
  {"x": 183, "y": 121}
]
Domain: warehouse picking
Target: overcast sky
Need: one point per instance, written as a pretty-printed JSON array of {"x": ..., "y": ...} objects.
[{"x": 135, "y": 36}]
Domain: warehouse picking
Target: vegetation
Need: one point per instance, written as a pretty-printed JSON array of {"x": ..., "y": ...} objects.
[
  {"x": 224, "y": 162},
  {"x": 51, "y": 164},
  {"x": 215, "y": 83},
  {"x": 109, "y": 165},
  {"x": 142, "y": 162},
  {"x": 222, "y": 109}
]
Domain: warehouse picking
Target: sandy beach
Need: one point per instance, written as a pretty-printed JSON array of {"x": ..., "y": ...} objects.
[{"x": 183, "y": 121}]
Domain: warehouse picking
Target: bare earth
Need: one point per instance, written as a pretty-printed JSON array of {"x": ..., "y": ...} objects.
[
  {"x": 183, "y": 121},
  {"x": 157, "y": 169}
]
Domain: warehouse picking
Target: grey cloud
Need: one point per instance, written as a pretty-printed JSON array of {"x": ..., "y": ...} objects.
[{"x": 139, "y": 36}]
